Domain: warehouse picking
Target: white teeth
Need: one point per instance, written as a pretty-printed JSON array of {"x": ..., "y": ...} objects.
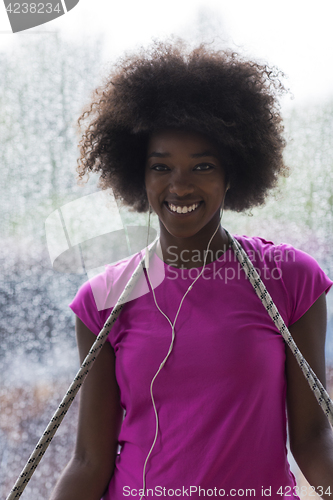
[{"x": 183, "y": 210}]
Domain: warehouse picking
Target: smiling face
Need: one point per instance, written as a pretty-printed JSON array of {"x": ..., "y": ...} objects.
[{"x": 185, "y": 183}]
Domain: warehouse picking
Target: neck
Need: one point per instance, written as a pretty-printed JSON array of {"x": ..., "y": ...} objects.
[{"x": 190, "y": 252}]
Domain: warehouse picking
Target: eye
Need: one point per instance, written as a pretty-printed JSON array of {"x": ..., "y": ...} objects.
[
  {"x": 159, "y": 167},
  {"x": 204, "y": 167}
]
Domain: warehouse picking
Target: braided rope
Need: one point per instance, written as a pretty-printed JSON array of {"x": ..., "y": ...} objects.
[
  {"x": 88, "y": 362},
  {"x": 318, "y": 389},
  {"x": 320, "y": 392}
]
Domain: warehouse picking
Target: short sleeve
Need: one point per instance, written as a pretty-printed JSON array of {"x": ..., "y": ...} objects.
[
  {"x": 303, "y": 279},
  {"x": 84, "y": 306},
  {"x": 97, "y": 297}
]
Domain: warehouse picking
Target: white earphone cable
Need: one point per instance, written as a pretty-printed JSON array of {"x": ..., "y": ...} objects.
[{"x": 169, "y": 351}]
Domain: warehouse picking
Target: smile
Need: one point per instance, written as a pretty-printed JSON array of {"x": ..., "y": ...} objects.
[{"x": 182, "y": 210}]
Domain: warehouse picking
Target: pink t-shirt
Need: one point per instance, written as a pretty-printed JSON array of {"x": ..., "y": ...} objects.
[{"x": 221, "y": 395}]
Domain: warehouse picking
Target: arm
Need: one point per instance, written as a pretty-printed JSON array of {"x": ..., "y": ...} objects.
[
  {"x": 88, "y": 473},
  {"x": 311, "y": 437}
]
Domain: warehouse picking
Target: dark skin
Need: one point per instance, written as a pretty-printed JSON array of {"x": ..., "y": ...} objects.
[
  {"x": 311, "y": 437},
  {"x": 188, "y": 171},
  {"x": 185, "y": 169}
]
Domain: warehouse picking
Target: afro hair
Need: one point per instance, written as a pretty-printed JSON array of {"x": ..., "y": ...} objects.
[{"x": 214, "y": 92}]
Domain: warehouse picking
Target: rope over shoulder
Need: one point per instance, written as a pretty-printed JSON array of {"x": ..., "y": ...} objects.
[
  {"x": 320, "y": 392},
  {"x": 316, "y": 386},
  {"x": 73, "y": 389}
]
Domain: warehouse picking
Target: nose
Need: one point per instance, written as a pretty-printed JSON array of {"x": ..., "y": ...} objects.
[{"x": 180, "y": 183}]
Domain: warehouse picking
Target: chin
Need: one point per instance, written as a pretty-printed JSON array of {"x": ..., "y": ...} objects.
[{"x": 181, "y": 233}]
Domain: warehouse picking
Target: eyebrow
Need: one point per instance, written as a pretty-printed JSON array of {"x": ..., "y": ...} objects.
[{"x": 204, "y": 154}]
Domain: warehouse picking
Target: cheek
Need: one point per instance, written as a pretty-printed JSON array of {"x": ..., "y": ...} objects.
[
  {"x": 154, "y": 186},
  {"x": 217, "y": 192}
]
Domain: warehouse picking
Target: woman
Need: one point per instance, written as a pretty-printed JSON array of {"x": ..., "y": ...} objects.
[{"x": 195, "y": 361}]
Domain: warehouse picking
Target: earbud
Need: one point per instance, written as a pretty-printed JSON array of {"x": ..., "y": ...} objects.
[{"x": 228, "y": 186}]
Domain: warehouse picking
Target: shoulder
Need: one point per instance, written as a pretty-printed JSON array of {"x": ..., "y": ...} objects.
[
  {"x": 260, "y": 247},
  {"x": 99, "y": 294},
  {"x": 282, "y": 255},
  {"x": 295, "y": 278},
  {"x": 107, "y": 286}
]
